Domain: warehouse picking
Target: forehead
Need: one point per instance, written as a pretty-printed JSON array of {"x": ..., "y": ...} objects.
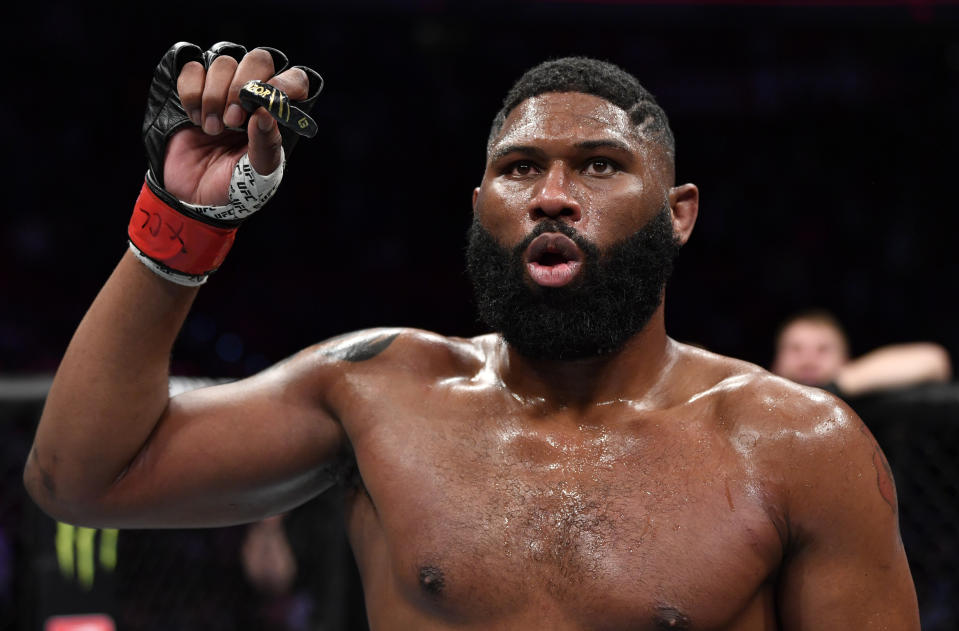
[{"x": 566, "y": 116}]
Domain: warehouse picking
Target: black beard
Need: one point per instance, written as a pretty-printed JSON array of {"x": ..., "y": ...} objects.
[{"x": 614, "y": 296}]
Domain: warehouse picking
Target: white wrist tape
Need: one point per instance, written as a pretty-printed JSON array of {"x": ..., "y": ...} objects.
[
  {"x": 249, "y": 191},
  {"x": 180, "y": 278}
]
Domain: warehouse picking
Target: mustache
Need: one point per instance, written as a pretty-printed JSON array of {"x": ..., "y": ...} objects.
[{"x": 590, "y": 249}]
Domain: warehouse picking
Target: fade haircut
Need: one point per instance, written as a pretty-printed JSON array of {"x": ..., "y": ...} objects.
[{"x": 599, "y": 78}]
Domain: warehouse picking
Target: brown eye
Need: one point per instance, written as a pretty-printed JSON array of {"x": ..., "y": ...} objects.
[
  {"x": 522, "y": 168},
  {"x": 601, "y": 166}
]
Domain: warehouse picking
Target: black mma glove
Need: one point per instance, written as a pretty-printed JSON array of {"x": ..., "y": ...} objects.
[{"x": 186, "y": 242}]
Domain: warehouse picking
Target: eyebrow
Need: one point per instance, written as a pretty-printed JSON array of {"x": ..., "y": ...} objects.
[
  {"x": 605, "y": 143},
  {"x": 505, "y": 150}
]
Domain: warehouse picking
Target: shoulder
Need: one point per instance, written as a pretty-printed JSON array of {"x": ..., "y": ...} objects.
[
  {"x": 755, "y": 400},
  {"x": 338, "y": 372},
  {"x": 387, "y": 350},
  {"x": 807, "y": 447}
]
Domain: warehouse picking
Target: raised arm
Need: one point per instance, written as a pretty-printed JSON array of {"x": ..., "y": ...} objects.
[
  {"x": 845, "y": 566},
  {"x": 895, "y": 366},
  {"x": 111, "y": 448}
]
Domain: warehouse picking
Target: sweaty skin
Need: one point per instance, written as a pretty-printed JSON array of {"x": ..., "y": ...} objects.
[{"x": 660, "y": 487}]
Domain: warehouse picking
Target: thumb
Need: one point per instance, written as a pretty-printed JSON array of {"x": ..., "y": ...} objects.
[{"x": 265, "y": 142}]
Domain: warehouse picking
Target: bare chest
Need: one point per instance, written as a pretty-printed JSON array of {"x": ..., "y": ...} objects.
[{"x": 653, "y": 524}]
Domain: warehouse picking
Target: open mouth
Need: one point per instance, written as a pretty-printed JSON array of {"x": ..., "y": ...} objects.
[{"x": 553, "y": 260}]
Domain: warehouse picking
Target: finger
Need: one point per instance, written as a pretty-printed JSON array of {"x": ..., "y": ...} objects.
[
  {"x": 257, "y": 64},
  {"x": 189, "y": 86},
  {"x": 280, "y": 61},
  {"x": 215, "y": 89},
  {"x": 293, "y": 82},
  {"x": 265, "y": 142}
]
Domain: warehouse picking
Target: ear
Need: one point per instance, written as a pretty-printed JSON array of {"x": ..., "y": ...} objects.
[
  {"x": 684, "y": 203},
  {"x": 475, "y": 196}
]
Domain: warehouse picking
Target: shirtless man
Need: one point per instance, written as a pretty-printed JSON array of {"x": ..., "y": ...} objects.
[{"x": 578, "y": 469}]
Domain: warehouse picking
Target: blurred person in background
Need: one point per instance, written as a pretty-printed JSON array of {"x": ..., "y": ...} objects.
[
  {"x": 300, "y": 567},
  {"x": 812, "y": 349}
]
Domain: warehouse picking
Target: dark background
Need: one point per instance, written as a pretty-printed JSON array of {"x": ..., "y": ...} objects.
[{"x": 823, "y": 137}]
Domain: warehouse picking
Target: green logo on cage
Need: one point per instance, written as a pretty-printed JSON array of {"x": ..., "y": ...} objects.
[{"x": 75, "y": 546}]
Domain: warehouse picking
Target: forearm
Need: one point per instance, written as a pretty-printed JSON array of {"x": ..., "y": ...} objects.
[
  {"x": 110, "y": 389},
  {"x": 895, "y": 366}
]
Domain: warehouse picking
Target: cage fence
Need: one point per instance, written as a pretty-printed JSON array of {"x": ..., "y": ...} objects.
[{"x": 186, "y": 579}]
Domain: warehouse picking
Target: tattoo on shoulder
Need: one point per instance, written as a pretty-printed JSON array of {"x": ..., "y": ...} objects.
[
  {"x": 363, "y": 349},
  {"x": 884, "y": 479}
]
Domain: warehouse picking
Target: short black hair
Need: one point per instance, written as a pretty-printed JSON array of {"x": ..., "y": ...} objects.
[
  {"x": 599, "y": 78},
  {"x": 814, "y": 315}
]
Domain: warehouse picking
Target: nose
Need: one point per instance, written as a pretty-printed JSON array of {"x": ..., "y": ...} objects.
[{"x": 553, "y": 198}]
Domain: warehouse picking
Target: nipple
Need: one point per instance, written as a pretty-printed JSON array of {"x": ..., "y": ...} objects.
[
  {"x": 431, "y": 579},
  {"x": 670, "y": 618}
]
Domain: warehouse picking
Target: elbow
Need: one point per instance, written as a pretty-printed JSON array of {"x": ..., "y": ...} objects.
[
  {"x": 42, "y": 487},
  {"x": 38, "y": 482},
  {"x": 938, "y": 362}
]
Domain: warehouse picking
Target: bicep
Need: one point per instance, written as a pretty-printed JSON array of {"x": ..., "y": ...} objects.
[
  {"x": 848, "y": 568},
  {"x": 233, "y": 453},
  {"x": 848, "y": 585}
]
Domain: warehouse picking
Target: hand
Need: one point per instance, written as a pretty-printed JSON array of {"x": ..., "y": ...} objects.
[
  {"x": 200, "y": 160},
  {"x": 203, "y": 182}
]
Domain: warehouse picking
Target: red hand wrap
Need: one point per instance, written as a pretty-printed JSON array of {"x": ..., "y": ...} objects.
[{"x": 175, "y": 240}]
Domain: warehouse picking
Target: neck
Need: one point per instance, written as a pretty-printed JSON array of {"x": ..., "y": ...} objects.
[{"x": 633, "y": 372}]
